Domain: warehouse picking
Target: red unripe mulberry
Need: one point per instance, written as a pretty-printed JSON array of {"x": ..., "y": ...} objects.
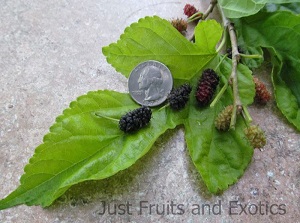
[
  {"x": 262, "y": 95},
  {"x": 189, "y": 10},
  {"x": 206, "y": 87}
]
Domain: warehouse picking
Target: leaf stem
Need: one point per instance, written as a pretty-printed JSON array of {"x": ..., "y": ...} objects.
[
  {"x": 103, "y": 116},
  {"x": 197, "y": 15},
  {"x": 237, "y": 105},
  {"x": 221, "y": 61},
  {"x": 165, "y": 106},
  {"x": 221, "y": 45},
  {"x": 252, "y": 56},
  {"x": 247, "y": 115},
  {"x": 219, "y": 95}
]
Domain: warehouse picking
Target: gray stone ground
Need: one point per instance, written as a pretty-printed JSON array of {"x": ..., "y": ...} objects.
[{"x": 51, "y": 53}]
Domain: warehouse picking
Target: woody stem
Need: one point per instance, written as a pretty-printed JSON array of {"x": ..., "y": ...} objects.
[{"x": 237, "y": 105}]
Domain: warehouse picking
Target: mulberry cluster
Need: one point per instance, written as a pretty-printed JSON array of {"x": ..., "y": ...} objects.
[
  {"x": 256, "y": 136},
  {"x": 179, "y": 97},
  {"x": 179, "y": 24},
  {"x": 222, "y": 122},
  {"x": 136, "y": 119},
  {"x": 189, "y": 10},
  {"x": 262, "y": 95},
  {"x": 206, "y": 87}
]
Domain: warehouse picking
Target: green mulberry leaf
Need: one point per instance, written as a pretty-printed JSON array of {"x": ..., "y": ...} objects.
[
  {"x": 279, "y": 31},
  {"x": 207, "y": 35},
  {"x": 277, "y": 1},
  {"x": 246, "y": 85},
  {"x": 153, "y": 38},
  {"x": 292, "y": 7},
  {"x": 244, "y": 8},
  {"x": 82, "y": 146},
  {"x": 290, "y": 108},
  {"x": 238, "y": 9},
  {"x": 220, "y": 157}
]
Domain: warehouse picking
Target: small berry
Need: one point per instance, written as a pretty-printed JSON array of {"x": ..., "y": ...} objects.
[
  {"x": 179, "y": 24},
  {"x": 229, "y": 51},
  {"x": 256, "y": 136},
  {"x": 136, "y": 119},
  {"x": 189, "y": 10},
  {"x": 222, "y": 122},
  {"x": 262, "y": 95},
  {"x": 206, "y": 87},
  {"x": 211, "y": 76},
  {"x": 179, "y": 97},
  {"x": 204, "y": 94}
]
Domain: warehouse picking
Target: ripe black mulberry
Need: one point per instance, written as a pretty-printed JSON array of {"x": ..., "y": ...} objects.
[
  {"x": 256, "y": 136},
  {"x": 206, "y": 87},
  {"x": 262, "y": 95},
  {"x": 222, "y": 122},
  {"x": 135, "y": 119},
  {"x": 229, "y": 51},
  {"x": 179, "y": 97}
]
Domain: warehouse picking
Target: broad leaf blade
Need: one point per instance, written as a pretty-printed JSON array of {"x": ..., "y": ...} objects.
[
  {"x": 238, "y": 9},
  {"x": 279, "y": 31},
  {"x": 153, "y": 38},
  {"x": 220, "y": 157},
  {"x": 286, "y": 101},
  {"x": 292, "y": 7},
  {"x": 207, "y": 35},
  {"x": 244, "y": 8},
  {"x": 276, "y": 1},
  {"x": 82, "y": 146},
  {"x": 246, "y": 85}
]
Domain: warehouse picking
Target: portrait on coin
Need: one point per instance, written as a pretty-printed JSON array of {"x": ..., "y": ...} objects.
[{"x": 150, "y": 80}]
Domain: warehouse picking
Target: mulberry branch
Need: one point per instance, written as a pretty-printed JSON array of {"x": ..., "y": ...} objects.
[{"x": 237, "y": 105}]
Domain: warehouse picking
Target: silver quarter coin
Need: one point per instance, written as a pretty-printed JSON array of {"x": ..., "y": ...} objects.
[{"x": 150, "y": 83}]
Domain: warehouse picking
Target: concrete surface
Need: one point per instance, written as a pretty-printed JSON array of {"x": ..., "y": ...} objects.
[{"x": 50, "y": 54}]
